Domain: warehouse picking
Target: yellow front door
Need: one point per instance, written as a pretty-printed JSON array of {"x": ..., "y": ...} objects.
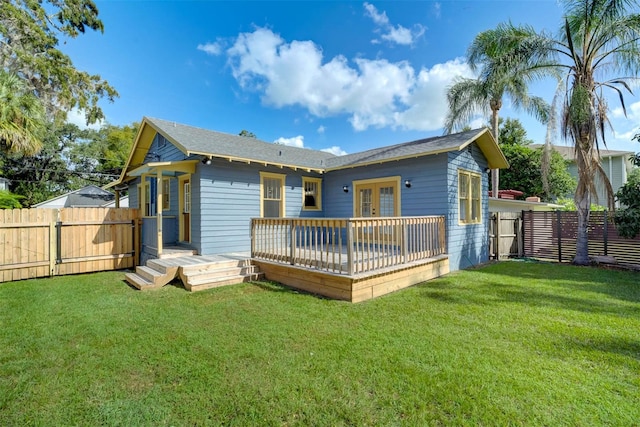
[{"x": 376, "y": 199}]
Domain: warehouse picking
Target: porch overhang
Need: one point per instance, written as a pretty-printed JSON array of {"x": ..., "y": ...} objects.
[{"x": 164, "y": 168}]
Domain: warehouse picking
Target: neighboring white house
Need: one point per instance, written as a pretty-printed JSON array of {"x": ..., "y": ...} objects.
[
  {"x": 616, "y": 165},
  {"x": 124, "y": 203},
  {"x": 90, "y": 196},
  {"x": 4, "y": 184}
]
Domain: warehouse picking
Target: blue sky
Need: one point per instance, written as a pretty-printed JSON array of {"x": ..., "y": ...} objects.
[{"x": 343, "y": 76}]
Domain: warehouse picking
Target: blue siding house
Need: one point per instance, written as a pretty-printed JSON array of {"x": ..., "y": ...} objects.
[{"x": 201, "y": 189}]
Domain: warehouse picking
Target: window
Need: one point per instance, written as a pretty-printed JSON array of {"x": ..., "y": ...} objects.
[
  {"x": 271, "y": 195},
  {"x": 311, "y": 194},
  {"x": 469, "y": 197},
  {"x": 148, "y": 196},
  {"x": 186, "y": 203},
  {"x": 166, "y": 194}
]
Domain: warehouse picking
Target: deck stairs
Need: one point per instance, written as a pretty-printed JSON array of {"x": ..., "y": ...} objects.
[{"x": 196, "y": 272}]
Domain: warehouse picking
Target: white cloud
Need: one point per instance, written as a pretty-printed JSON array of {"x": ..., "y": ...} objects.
[
  {"x": 296, "y": 141},
  {"x": 209, "y": 48},
  {"x": 377, "y": 17},
  {"x": 373, "y": 93},
  {"x": 321, "y": 129},
  {"x": 335, "y": 150},
  {"x": 395, "y": 34},
  {"x": 437, "y": 8},
  {"x": 79, "y": 119},
  {"x": 399, "y": 35}
]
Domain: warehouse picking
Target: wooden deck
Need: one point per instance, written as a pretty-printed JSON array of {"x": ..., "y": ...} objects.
[
  {"x": 358, "y": 287},
  {"x": 353, "y": 259}
]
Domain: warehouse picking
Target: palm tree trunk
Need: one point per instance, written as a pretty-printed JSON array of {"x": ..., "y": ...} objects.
[
  {"x": 495, "y": 173},
  {"x": 586, "y": 175},
  {"x": 583, "y": 205}
]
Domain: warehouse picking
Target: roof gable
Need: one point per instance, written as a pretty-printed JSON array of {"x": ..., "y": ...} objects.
[{"x": 425, "y": 147}]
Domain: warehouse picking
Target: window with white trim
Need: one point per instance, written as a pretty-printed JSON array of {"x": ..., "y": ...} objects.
[
  {"x": 469, "y": 197},
  {"x": 311, "y": 193}
]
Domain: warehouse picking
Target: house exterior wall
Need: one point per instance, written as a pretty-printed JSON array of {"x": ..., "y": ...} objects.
[
  {"x": 616, "y": 168},
  {"x": 230, "y": 197},
  {"x": 467, "y": 244},
  {"x": 426, "y": 196}
]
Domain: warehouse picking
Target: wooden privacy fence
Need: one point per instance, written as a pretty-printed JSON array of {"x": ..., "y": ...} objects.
[
  {"x": 51, "y": 242},
  {"x": 348, "y": 245},
  {"x": 552, "y": 235}
]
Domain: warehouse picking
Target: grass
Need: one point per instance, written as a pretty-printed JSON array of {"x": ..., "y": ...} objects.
[{"x": 514, "y": 343}]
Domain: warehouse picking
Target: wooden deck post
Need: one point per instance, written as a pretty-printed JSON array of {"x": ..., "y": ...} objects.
[
  {"x": 292, "y": 244},
  {"x": 159, "y": 211},
  {"x": 350, "y": 261}
]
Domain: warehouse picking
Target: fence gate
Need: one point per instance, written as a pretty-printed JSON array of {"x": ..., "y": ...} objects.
[
  {"x": 505, "y": 235},
  {"x": 50, "y": 242}
]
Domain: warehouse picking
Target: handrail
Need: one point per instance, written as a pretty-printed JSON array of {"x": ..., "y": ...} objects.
[{"x": 348, "y": 245}]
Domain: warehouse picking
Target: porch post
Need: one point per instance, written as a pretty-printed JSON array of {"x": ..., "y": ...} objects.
[
  {"x": 117, "y": 198},
  {"x": 159, "y": 210}
]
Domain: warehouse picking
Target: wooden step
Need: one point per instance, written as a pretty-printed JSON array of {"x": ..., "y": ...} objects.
[
  {"x": 214, "y": 265},
  {"x": 214, "y": 273},
  {"x": 166, "y": 267},
  {"x": 138, "y": 281},
  {"x": 202, "y": 284},
  {"x": 150, "y": 274}
]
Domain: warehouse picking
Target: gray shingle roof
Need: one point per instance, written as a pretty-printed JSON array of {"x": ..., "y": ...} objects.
[
  {"x": 206, "y": 142},
  {"x": 420, "y": 147}
]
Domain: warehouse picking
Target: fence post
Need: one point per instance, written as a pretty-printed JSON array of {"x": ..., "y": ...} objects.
[
  {"x": 520, "y": 235},
  {"x": 606, "y": 232},
  {"x": 497, "y": 232},
  {"x": 559, "y": 231},
  {"x": 53, "y": 246},
  {"x": 58, "y": 242}
]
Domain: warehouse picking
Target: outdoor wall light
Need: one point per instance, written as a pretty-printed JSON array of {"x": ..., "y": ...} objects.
[
  {"x": 206, "y": 161},
  {"x": 407, "y": 183},
  {"x": 345, "y": 188},
  {"x": 486, "y": 170}
]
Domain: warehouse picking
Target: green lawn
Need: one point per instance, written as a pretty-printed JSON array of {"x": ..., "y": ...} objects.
[{"x": 515, "y": 343}]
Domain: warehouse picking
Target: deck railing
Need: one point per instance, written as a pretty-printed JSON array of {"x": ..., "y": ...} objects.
[{"x": 347, "y": 245}]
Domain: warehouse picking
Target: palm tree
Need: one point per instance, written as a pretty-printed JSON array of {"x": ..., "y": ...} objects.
[
  {"x": 468, "y": 98},
  {"x": 598, "y": 48},
  {"x": 21, "y": 116}
]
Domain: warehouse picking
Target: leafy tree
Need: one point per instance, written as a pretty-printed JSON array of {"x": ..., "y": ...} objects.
[
  {"x": 49, "y": 172},
  {"x": 30, "y": 30},
  {"x": 21, "y": 116},
  {"x": 9, "y": 200},
  {"x": 525, "y": 171},
  {"x": 106, "y": 152},
  {"x": 248, "y": 134},
  {"x": 627, "y": 218},
  {"x": 599, "y": 40},
  {"x": 470, "y": 97},
  {"x": 70, "y": 158}
]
